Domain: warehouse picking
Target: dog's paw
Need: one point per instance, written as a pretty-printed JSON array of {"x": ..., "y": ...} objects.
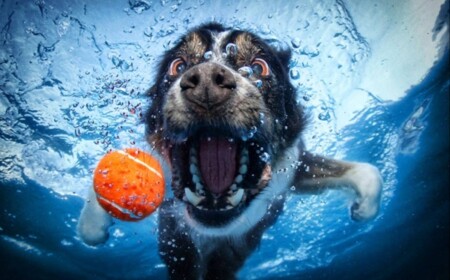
[
  {"x": 367, "y": 183},
  {"x": 93, "y": 223}
]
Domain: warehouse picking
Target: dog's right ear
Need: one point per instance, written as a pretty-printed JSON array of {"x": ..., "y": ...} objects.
[{"x": 153, "y": 117}]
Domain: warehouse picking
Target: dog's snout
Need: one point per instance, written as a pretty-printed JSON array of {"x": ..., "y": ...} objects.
[{"x": 208, "y": 85}]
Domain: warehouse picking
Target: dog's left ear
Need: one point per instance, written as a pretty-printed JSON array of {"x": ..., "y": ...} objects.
[
  {"x": 282, "y": 50},
  {"x": 285, "y": 56}
]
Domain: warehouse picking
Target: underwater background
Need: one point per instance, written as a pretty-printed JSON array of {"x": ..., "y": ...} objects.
[{"x": 372, "y": 75}]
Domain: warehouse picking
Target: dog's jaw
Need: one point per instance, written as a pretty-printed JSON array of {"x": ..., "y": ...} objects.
[{"x": 272, "y": 194}]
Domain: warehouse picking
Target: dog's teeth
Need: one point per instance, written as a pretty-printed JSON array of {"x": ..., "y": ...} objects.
[
  {"x": 195, "y": 179},
  {"x": 199, "y": 188},
  {"x": 243, "y": 160},
  {"x": 238, "y": 179},
  {"x": 192, "y": 197},
  {"x": 228, "y": 207},
  {"x": 236, "y": 198},
  {"x": 244, "y": 157},
  {"x": 192, "y": 151},
  {"x": 243, "y": 169},
  {"x": 193, "y": 160},
  {"x": 193, "y": 169}
]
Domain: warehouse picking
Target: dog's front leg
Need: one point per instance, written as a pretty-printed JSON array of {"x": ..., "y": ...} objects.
[
  {"x": 316, "y": 174},
  {"x": 94, "y": 221},
  {"x": 176, "y": 247}
]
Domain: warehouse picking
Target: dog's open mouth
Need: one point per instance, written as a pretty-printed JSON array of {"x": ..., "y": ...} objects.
[{"x": 218, "y": 176}]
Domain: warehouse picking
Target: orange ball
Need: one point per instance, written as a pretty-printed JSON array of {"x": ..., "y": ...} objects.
[{"x": 129, "y": 184}]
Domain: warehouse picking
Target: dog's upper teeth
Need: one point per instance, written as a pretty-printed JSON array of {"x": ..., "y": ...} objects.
[
  {"x": 195, "y": 178},
  {"x": 193, "y": 159},
  {"x": 236, "y": 198},
  {"x": 244, "y": 156},
  {"x": 194, "y": 169},
  {"x": 193, "y": 197},
  {"x": 238, "y": 179},
  {"x": 199, "y": 189},
  {"x": 243, "y": 169}
]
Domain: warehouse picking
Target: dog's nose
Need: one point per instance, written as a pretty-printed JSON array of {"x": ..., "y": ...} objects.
[{"x": 208, "y": 85}]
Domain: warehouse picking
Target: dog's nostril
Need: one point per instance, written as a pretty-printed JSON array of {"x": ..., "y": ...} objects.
[
  {"x": 224, "y": 79},
  {"x": 190, "y": 80},
  {"x": 219, "y": 79}
]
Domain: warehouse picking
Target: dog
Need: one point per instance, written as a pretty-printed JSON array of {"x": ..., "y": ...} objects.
[{"x": 224, "y": 116}]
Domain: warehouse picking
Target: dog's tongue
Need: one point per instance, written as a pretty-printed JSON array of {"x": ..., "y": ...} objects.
[{"x": 217, "y": 163}]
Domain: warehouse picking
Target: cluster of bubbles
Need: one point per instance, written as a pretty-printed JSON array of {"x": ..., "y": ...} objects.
[{"x": 231, "y": 50}]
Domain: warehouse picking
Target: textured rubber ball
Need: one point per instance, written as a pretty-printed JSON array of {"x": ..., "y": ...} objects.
[{"x": 129, "y": 184}]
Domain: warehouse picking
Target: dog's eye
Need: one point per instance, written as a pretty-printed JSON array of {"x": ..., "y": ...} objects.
[
  {"x": 260, "y": 67},
  {"x": 177, "y": 67}
]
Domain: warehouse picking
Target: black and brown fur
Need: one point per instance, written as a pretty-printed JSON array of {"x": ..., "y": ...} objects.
[{"x": 210, "y": 97}]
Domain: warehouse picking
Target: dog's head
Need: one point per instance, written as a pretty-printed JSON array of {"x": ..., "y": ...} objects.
[{"x": 222, "y": 112}]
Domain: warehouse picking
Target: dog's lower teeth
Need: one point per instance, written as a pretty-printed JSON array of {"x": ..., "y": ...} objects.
[
  {"x": 244, "y": 157},
  {"x": 195, "y": 179},
  {"x": 193, "y": 169},
  {"x": 238, "y": 179},
  {"x": 192, "y": 197},
  {"x": 193, "y": 160},
  {"x": 199, "y": 188},
  {"x": 236, "y": 198},
  {"x": 243, "y": 169}
]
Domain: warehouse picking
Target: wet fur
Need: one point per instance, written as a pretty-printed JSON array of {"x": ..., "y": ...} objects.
[{"x": 190, "y": 248}]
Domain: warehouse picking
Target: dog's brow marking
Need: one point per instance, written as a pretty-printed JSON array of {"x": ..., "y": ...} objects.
[
  {"x": 247, "y": 48},
  {"x": 193, "y": 48},
  {"x": 141, "y": 162}
]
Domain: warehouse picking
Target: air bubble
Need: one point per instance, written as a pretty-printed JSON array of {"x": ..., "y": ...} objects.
[
  {"x": 324, "y": 116},
  {"x": 231, "y": 49},
  {"x": 265, "y": 157},
  {"x": 262, "y": 118},
  {"x": 295, "y": 42},
  {"x": 207, "y": 55},
  {"x": 245, "y": 71},
  {"x": 258, "y": 83},
  {"x": 250, "y": 133},
  {"x": 294, "y": 74}
]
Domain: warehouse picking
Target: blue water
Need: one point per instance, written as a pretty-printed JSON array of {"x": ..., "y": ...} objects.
[{"x": 374, "y": 77}]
